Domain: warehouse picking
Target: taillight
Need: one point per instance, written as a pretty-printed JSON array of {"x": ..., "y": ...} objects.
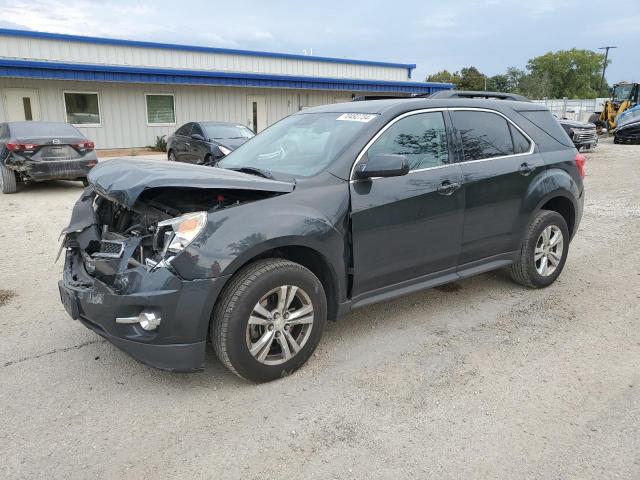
[
  {"x": 88, "y": 145},
  {"x": 17, "y": 147},
  {"x": 580, "y": 161}
]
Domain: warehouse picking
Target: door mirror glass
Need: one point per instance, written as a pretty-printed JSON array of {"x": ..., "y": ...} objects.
[
  {"x": 197, "y": 136},
  {"x": 384, "y": 165}
]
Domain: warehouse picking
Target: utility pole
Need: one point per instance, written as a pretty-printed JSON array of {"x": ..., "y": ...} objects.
[{"x": 604, "y": 67}]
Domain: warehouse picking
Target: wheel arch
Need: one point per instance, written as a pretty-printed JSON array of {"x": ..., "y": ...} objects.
[
  {"x": 562, "y": 204},
  {"x": 305, "y": 255}
]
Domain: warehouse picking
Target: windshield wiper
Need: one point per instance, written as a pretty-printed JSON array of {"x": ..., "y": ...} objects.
[{"x": 254, "y": 171}]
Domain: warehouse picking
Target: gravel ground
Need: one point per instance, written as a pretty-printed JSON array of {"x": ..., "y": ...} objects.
[{"x": 477, "y": 379}]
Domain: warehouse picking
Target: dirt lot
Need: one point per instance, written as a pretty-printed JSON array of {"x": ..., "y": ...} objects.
[{"x": 478, "y": 379}]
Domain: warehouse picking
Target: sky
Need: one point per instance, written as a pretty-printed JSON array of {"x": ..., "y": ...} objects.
[{"x": 490, "y": 35}]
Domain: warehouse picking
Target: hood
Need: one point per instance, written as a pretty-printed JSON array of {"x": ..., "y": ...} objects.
[
  {"x": 575, "y": 123},
  {"x": 231, "y": 143},
  {"x": 124, "y": 180},
  {"x": 628, "y": 117}
]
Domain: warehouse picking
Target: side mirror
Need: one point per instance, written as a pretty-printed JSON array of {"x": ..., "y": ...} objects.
[
  {"x": 382, "y": 166},
  {"x": 197, "y": 136}
]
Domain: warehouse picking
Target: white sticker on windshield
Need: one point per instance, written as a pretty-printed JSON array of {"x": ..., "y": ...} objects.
[{"x": 357, "y": 117}]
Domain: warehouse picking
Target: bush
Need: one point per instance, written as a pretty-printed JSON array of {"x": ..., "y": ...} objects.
[{"x": 160, "y": 145}]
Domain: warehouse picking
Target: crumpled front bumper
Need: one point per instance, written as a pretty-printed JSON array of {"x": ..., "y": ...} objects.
[{"x": 184, "y": 306}]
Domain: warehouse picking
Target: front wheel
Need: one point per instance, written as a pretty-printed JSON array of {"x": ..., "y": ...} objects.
[
  {"x": 269, "y": 319},
  {"x": 543, "y": 251},
  {"x": 172, "y": 156}
]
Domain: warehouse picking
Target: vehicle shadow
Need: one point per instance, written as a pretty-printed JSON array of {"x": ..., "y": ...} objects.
[
  {"x": 49, "y": 187},
  {"x": 430, "y": 311}
]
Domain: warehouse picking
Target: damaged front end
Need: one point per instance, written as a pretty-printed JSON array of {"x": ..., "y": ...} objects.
[{"x": 119, "y": 279}]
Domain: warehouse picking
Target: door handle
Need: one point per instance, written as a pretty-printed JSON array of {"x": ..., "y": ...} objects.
[
  {"x": 526, "y": 168},
  {"x": 447, "y": 187}
]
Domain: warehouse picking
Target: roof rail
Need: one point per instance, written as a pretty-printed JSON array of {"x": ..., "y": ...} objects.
[
  {"x": 363, "y": 98},
  {"x": 479, "y": 94}
]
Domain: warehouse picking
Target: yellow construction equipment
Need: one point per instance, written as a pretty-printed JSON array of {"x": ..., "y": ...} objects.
[{"x": 623, "y": 96}]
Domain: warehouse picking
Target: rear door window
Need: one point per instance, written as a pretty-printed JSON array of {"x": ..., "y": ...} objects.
[
  {"x": 421, "y": 138},
  {"x": 484, "y": 134}
]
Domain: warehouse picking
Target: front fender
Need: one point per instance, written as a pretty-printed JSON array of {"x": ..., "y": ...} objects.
[{"x": 236, "y": 235}]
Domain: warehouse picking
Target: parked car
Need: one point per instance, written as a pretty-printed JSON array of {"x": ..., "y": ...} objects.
[
  {"x": 255, "y": 255},
  {"x": 38, "y": 151},
  {"x": 205, "y": 143},
  {"x": 582, "y": 134},
  {"x": 628, "y": 126}
]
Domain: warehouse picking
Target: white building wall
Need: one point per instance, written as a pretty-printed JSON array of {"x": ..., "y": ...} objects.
[
  {"x": 123, "y": 113},
  {"x": 81, "y": 52}
]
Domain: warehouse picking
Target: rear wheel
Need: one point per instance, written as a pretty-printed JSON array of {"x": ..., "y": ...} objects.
[
  {"x": 8, "y": 181},
  {"x": 269, "y": 319},
  {"x": 85, "y": 182},
  {"x": 543, "y": 251}
]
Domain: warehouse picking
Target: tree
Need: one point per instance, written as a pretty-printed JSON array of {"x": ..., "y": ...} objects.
[
  {"x": 498, "y": 83},
  {"x": 445, "y": 77},
  {"x": 568, "y": 73},
  {"x": 472, "y": 79},
  {"x": 514, "y": 76},
  {"x": 468, "y": 78}
]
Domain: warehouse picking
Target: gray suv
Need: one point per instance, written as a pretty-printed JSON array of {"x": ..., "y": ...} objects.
[{"x": 331, "y": 209}]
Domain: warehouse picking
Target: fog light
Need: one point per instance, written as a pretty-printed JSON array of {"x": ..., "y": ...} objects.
[{"x": 147, "y": 319}]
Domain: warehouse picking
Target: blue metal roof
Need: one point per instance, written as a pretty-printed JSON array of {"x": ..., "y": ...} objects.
[
  {"x": 194, "y": 48},
  {"x": 126, "y": 74}
]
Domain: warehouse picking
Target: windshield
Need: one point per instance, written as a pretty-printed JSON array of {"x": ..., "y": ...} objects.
[
  {"x": 300, "y": 145},
  {"x": 227, "y": 131},
  {"x": 622, "y": 92}
]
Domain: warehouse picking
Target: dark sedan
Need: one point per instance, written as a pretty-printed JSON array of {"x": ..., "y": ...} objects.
[
  {"x": 37, "y": 151},
  {"x": 205, "y": 143}
]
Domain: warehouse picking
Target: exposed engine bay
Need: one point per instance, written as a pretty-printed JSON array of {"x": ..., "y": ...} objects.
[{"x": 158, "y": 226}]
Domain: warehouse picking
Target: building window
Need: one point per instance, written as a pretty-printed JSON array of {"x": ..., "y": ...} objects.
[
  {"x": 82, "y": 108},
  {"x": 161, "y": 109}
]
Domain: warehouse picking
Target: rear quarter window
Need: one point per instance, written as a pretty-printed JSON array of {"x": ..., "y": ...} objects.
[{"x": 548, "y": 124}]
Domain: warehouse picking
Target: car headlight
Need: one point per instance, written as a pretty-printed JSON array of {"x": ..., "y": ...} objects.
[
  {"x": 225, "y": 151},
  {"x": 175, "y": 234}
]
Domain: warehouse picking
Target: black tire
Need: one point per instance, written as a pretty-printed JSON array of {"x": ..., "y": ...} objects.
[
  {"x": 8, "y": 181},
  {"x": 85, "y": 182},
  {"x": 171, "y": 156},
  {"x": 236, "y": 303},
  {"x": 523, "y": 269}
]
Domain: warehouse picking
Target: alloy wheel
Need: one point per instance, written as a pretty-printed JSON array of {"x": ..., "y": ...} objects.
[
  {"x": 279, "y": 325},
  {"x": 548, "y": 251}
]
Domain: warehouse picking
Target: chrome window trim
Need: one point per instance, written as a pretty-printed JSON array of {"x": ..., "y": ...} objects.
[{"x": 440, "y": 109}]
